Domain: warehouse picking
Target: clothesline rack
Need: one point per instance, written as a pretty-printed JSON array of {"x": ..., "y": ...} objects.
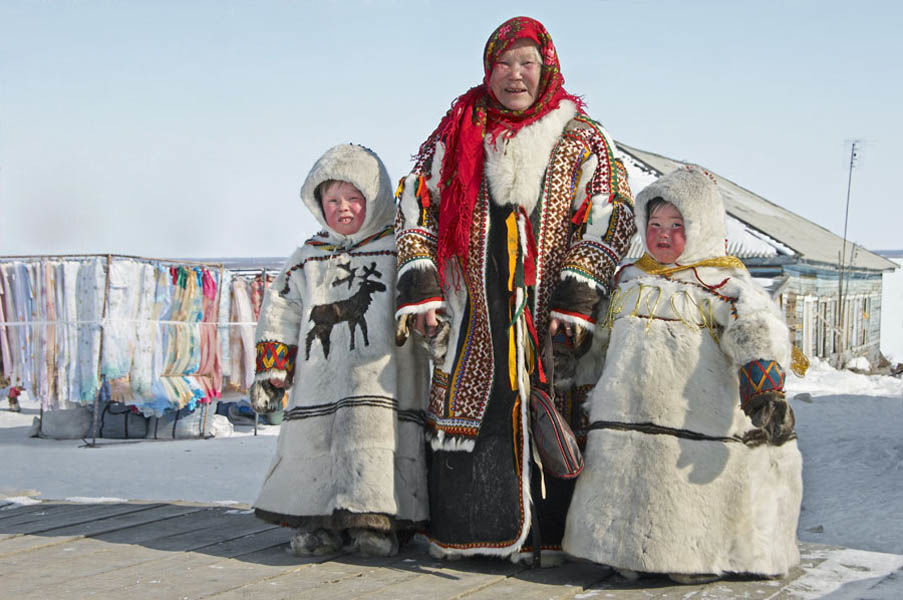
[{"x": 45, "y": 258}]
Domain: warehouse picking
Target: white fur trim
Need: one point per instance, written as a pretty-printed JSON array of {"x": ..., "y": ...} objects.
[
  {"x": 422, "y": 264},
  {"x": 515, "y": 166},
  {"x": 588, "y": 325},
  {"x": 277, "y": 374},
  {"x": 584, "y": 279},
  {"x": 451, "y": 444},
  {"x": 414, "y": 309}
]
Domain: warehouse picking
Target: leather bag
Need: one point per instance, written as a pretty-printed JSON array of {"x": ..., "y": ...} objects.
[{"x": 553, "y": 439}]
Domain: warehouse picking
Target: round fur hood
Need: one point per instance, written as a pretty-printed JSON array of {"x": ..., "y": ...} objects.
[
  {"x": 362, "y": 168},
  {"x": 694, "y": 192}
]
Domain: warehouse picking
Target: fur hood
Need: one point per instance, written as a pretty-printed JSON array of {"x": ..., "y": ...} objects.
[
  {"x": 362, "y": 168},
  {"x": 695, "y": 194}
]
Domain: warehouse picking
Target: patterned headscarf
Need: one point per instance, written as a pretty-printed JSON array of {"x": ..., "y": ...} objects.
[{"x": 476, "y": 113}]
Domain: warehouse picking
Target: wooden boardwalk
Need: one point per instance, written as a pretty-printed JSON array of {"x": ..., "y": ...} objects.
[{"x": 140, "y": 550}]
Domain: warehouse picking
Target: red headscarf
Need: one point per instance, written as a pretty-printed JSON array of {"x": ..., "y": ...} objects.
[{"x": 476, "y": 113}]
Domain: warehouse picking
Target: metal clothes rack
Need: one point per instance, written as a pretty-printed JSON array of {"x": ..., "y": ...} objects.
[{"x": 44, "y": 258}]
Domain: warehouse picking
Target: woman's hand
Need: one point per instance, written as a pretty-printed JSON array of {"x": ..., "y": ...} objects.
[
  {"x": 554, "y": 324},
  {"x": 427, "y": 323}
]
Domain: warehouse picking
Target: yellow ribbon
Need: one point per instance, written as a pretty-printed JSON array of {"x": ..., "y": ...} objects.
[
  {"x": 511, "y": 226},
  {"x": 653, "y": 267},
  {"x": 512, "y": 358}
]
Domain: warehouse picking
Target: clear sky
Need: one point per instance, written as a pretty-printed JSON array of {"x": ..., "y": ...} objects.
[{"x": 185, "y": 128}]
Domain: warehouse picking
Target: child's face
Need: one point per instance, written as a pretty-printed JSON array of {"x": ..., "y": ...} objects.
[
  {"x": 344, "y": 207},
  {"x": 665, "y": 237}
]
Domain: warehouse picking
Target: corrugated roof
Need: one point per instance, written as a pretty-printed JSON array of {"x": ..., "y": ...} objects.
[{"x": 764, "y": 221}]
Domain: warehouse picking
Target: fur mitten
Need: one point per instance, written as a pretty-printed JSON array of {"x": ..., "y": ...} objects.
[
  {"x": 403, "y": 329},
  {"x": 771, "y": 414},
  {"x": 437, "y": 343},
  {"x": 265, "y": 397}
]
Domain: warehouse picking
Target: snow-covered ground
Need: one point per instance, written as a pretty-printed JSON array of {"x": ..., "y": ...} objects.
[{"x": 850, "y": 430}]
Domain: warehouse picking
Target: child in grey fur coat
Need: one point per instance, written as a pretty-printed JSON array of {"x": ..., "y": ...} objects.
[
  {"x": 349, "y": 470},
  {"x": 692, "y": 468}
]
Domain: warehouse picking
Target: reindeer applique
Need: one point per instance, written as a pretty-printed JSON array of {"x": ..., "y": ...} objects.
[{"x": 352, "y": 309}]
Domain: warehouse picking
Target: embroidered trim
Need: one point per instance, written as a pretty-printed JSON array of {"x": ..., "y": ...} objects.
[
  {"x": 415, "y": 244},
  {"x": 760, "y": 376},
  {"x": 458, "y": 409},
  {"x": 273, "y": 355},
  {"x": 329, "y": 247},
  {"x": 301, "y": 264}
]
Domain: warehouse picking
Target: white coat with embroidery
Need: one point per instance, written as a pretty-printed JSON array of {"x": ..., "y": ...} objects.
[{"x": 352, "y": 438}]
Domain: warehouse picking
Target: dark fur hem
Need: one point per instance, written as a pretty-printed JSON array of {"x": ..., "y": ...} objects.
[
  {"x": 416, "y": 285},
  {"x": 575, "y": 296},
  {"x": 340, "y": 520}
]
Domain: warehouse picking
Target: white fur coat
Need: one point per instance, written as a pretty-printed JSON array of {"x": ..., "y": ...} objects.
[
  {"x": 352, "y": 438},
  {"x": 697, "y": 500}
]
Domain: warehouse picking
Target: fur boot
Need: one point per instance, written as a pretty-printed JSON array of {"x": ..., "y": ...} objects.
[
  {"x": 367, "y": 542},
  {"x": 316, "y": 543}
]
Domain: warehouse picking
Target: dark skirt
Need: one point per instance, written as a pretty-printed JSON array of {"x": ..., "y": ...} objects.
[{"x": 476, "y": 497}]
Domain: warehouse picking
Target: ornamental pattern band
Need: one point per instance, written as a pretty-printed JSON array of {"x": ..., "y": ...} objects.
[
  {"x": 760, "y": 376},
  {"x": 272, "y": 355}
]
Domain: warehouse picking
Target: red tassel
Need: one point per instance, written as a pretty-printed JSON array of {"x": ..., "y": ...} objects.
[
  {"x": 583, "y": 212},
  {"x": 533, "y": 337},
  {"x": 530, "y": 258},
  {"x": 423, "y": 192}
]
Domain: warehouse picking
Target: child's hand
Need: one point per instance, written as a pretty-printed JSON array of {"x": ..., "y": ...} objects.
[
  {"x": 266, "y": 397},
  {"x": 772, "y": 415}
]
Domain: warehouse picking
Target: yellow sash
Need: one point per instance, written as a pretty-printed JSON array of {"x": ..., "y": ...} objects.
[{"x": 653, "y": 267}]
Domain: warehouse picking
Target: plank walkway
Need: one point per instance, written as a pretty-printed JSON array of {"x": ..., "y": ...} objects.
[{"x": 142, "y": 550}]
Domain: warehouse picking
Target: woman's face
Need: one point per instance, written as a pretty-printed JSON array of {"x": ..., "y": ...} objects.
[{"x": 514, "y": 80}]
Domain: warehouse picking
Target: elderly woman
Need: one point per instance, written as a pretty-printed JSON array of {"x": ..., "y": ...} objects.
[{"x": 510, "y": 225}]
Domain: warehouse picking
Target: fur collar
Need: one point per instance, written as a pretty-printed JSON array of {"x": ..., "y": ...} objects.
[{"x": 515, "y": 166}]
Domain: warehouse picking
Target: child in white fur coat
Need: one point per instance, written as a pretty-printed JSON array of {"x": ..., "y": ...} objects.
[
  {"x": 349, "y": 471},
  {"x": 692, "y": 468}
]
